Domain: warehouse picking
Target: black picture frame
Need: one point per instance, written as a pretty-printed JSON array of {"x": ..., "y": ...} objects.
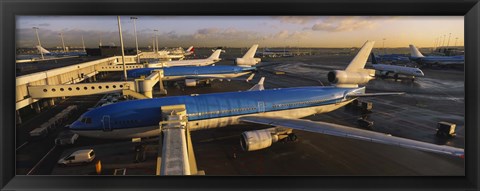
[{"x": 9, "y": 9}]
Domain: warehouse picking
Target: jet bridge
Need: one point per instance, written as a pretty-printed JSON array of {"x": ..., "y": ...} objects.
[
  {"x": 177, "y": 156},
  {"x": 80, "y": 89},
  {"x": 131, "y": 88}
]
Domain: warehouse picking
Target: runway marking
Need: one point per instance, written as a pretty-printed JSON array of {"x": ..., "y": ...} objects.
[
  {"x": 21, "y": 146},
  {"x": 41, "y": 160}
]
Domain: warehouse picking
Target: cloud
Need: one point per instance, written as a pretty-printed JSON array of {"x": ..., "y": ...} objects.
[
  {"x": 44, "y": 25},
  {"x": 341, "y": 24},
  {"x": 301, "y": 20},
  {"x": 349, "y": 23},
  {"x": 224, "y": 35}
]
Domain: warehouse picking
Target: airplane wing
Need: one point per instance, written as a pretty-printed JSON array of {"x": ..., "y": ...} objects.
[
  {"x": 375, "y": 94},
  {"x": 214, "y": 77},
  {"x": 353, "y": 133}
]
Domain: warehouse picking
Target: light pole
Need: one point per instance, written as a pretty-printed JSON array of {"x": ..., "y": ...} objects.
[
  {"x": 136, "y": 39},
  {"x": 83, "y": 44},
  {"x": 123, "y": 52},
  {"x": 448, "y": 43},
  {"x": 39, "y": 44},
  {"x": 384, "y": 51},
  {"x": 439, "y": 40},
  {"x": 156, "y": 40},
  {"x": 444, "y": 37},
  {"x": 153, "y": 44},
  {"x": 63, "y": 43},
  {"x": 456, "y": 41}
]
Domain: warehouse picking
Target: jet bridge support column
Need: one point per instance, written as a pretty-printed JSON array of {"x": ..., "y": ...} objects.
[
  {"x": 51, "y": 101},
  {"x": 149, "y": 82},
  {"x": 37, "y": 107},
  {"x": 19, "y": 118},
  {"x": 160, "y": 82}
]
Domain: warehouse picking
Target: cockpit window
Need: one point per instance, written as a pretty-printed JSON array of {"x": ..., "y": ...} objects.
[
  {"x": 418, "y": 72},
  {"x": 86, "y": 120}
]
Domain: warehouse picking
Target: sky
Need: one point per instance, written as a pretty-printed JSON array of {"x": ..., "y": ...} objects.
[{"x": 242, "y": 31}]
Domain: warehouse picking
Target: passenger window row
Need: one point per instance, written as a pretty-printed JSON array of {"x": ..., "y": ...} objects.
[
  {"x": 126, "y": 122},
  {"x": 299, "y": 103},
  {"x": 85, "y": 88},
  {"x": 223, "y": 111},
  {"x": 118, "y": 67}
]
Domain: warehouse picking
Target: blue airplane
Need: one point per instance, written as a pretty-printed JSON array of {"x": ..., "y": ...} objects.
[
  {"x": 282, "y": 108},
  {"x": 193, "y": 74},
  {"x": 417, "y": 56},
  {"x": 392, "y": 57}
]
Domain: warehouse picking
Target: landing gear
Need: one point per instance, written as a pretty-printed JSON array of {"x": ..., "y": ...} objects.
[{"x": 396, "y": 77}]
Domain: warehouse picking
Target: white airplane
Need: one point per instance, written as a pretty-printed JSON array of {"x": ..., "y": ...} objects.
[
  {"x": 281, "y": 108},
  {"x": 385, "y": 69},
  {"x": 59, "y": 54},
  {"x": 180, "y": 51},
  {"x": 248, "y": 59},
  {"x": 215, "y": 57}
]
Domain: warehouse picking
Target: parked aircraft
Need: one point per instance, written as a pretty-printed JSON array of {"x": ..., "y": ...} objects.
[
  {"x": 274, "y": 107},
  {"x": 194, "y": 75},
  {"x": 59, "y": 54},
  {"x": 215, "y": 57},
  {"x": 392, "y": 58},
  {"x": 181, "y": 51},
  {"x": 417, "y": 56},
  {"x": 385, "y": 69},
  {"x": 275, "y": 53},
  {"x": 248, "y": 59}
]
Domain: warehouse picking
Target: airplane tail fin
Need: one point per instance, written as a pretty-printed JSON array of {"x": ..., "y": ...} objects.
[
  {"x": 215, "y": 55},
  {"x": 190, "y": 49},
  {"x": 374, "y": 60},
  {"x": 43, "y": 50},
  {"x": 355, "y": 73},
  {"x": 359, "y": 61},
  {"x": 414, "y": 52},
  {"x": 251, "y": 52},
  {"x": 259, "y": 86},
  {"x": 248, "y": 59}
]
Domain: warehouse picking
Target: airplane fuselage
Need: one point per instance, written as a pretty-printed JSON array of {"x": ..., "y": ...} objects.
[
  {"x": 441, "y": 60},
  {"x": 408, "y": 71},
  {"x": 140, "y": 118},
  {"x": 199, "y": 62},
  {"x": 393, "y": 57},
  {"x": 183, "y": 72}
]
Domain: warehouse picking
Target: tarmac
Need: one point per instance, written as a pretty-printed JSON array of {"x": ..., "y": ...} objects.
[{"x": 439, "y": 96}]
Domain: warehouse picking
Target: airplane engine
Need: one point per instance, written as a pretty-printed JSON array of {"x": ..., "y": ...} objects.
[
  {"x": 260, "y": 139},
  {"x": 247, "y": 61},
  {"x": 191, "y": 82},
  {"x": 345, "y": 77}
]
